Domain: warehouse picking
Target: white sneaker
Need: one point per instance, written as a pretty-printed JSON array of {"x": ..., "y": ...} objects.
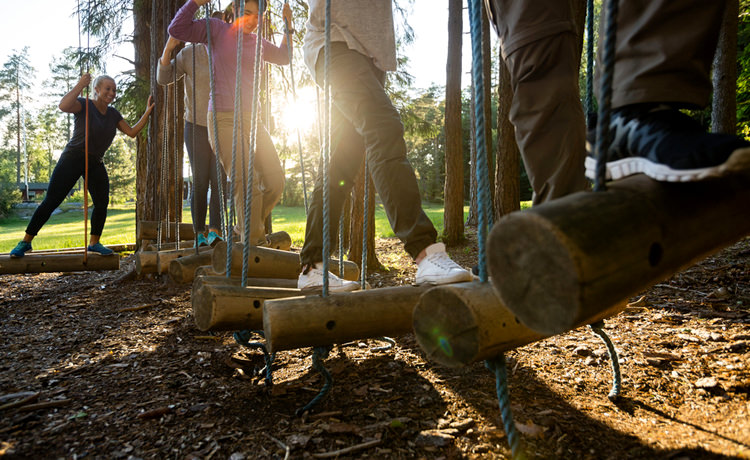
[
  {"x": 313, "y": 281},
  {"x": 438, "y": 268}
]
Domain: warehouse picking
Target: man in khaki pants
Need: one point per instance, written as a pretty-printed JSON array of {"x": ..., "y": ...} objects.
[{"x": 663, "y": 57}]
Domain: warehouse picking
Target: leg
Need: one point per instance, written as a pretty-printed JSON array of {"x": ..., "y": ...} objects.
[
  {"x": 270, "y": 172},
  {"x": 199, "y": 164},
  {"x": 99, "y": 190},
  {"x": 539, "y": 47},
  {"x": 69, "y": 168}
]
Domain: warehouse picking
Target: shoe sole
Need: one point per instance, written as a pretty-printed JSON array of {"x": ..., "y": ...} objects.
[
  {"x": 738, "y": 162},
  {"x": 339, "y": 289},
  {"x": 460, "y": 278}
]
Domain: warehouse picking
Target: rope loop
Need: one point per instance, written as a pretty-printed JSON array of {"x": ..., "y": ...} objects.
[
  {"x": 497, "y": 367},
  {"x": 598, "y": 329},
  {"x": 243, "y": 338},
  {"x": 319, "y": 354}
]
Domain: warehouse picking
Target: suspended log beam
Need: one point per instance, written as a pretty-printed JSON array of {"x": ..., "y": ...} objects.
[
  {"x": 205, "y": 270},
  {"x": 561, "y": 263},
  {"x": 182, "y": 269},
  {"x": 149, "y": 230},
  {"x": 236, "y": 281},
  {"x": 46, "y": 263},
  {"x": 459, "y": 324},
  {"x": 115, "y": 247},
  {"x": 312, "y": 321},
  {"x": 218, "y": 307},
  {"x": 271, "y": 263},
  {"x": 158, "y": 261}
]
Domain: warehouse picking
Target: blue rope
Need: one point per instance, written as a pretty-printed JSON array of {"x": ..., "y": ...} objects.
[
  {"x": 605, "y": 93},
  {"x": 365, "y": 225},
  {"x": 239, "y": 6},
  {"x": 225, "y": 220},
  {"x": 326, "y": 148},
  {"x": 243, "y": 338},
  {"x": 288, "y": 32},
  {"x": 341, "y": 245},
  {"x": 497, "y": 367},
  {"x": 253, "y": 132},
  {"x": 485, "y": 211},
  {"x": 598, "y": 329},
  {"x": 319, "y": 354}
]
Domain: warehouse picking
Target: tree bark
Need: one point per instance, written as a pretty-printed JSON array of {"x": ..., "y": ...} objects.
[
  {"x": 724, "y": 105},
  {"x": 507, "y": 173},
  {"x": 454, "y": 179}
]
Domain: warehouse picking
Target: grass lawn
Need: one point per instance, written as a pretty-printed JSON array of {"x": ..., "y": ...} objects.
[{"x": 65, "y": 228}]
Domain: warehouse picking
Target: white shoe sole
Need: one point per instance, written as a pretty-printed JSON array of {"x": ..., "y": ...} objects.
[
  {"x": 738, "y": 162},
  {"x": 457, "y": 278}
]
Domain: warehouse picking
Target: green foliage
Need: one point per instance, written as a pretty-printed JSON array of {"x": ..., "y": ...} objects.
[
  {"x": 743, "y": 70},
  {"x": 120, "y": 162},
  {"x": 9, "y": 196}
]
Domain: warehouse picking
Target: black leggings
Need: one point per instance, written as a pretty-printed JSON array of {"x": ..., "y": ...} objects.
[
  {"x": 203, "y": 164},
  {"x": 69, "y": 168}
]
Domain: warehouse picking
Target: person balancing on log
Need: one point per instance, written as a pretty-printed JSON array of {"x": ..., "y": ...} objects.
[
  {"x": 103, "y": 121},
  {"x": 363, "y": 119}
]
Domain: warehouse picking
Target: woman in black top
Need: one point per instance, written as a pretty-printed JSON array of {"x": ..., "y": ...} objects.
[{"x": 103, "y": 122}]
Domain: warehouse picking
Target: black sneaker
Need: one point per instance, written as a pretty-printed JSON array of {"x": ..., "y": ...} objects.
[{"x": 668, "y": 146}]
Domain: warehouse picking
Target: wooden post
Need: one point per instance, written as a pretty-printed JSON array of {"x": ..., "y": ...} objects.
[
  {"x": 115, "y": 247},
  {"x": 149, "y": 230},
  {"x": 558, "y": 264},
  {"x": 314, "y": 320},
  {"x": 46, "y": 263},
  {"x": 236, "y": 281},
  {"x": 270, "y": 263},
  {"x": 459, "y": 324},
  {"x": 218, "y": 307},
  {"x": 158, "y": 261}
]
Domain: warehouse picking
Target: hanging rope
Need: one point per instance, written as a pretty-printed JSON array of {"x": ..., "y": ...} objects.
[
  {"x": 86, "y": 137},
  {"x": 605, "y": 93},
  {"x": 177, "y": 163},
  {"x": 365, "y": 225},
  {"x": 319, "y": 354},
  {"x": 326, "y": 147},
  {"x": 251, "y": 145},
  {"x": 195, "y": 236},
  {"x": 496, "y": 365},
  {"x": 243, "y": 338},
  {"x": 598, "y": 329},
  {"x": 288, "y": 31},
  {"x": 215, "y": 127}
]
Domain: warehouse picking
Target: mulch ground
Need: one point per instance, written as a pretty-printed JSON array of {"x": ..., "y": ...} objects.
[{"x": 99, "y": 365}]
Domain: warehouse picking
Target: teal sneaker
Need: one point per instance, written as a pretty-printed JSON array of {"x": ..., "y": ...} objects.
[
  {"x": 200, "y": 240},
  {"x": 20, "y": 250},
  {"x": 100, "y": 249},
  {"x": 213, "y": 238}
]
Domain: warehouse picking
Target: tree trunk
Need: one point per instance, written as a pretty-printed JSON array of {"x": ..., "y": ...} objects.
[
  {"x": 507, "y": 173},
  {"x": 158, "y": 182},
  {"x": 487, "y": 93},
  {"x": 473, "y": 219},
  {"x": 454, "y": 178},
  {"x": 357, "y": 223},
  {"x": 724, "y": 105}
]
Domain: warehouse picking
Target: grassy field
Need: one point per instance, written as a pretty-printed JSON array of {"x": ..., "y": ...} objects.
[{"x": 65, "y": 228}]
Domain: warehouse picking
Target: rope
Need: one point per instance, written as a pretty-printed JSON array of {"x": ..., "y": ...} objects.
[
  {"x": 239, "y": 6},
  {"x": 195, "y": 109},
  {"x": 177, "y": 171},
  {"x": 365, "y": 225},
  {"x": 497, "y": 367},
  {"x": 253, "y": 132},
  {"x": 86, "y": 144},
  {"x": 219, "y": 173},
  {"x": 243, "y": 338},
  {"x": 163, "y": 177},
  {"x": 605, "y": 93},
  {"x": 288, "y": 32},
  {"x": 598, "y": 329},
  {"x": 589, "y": 98},
  {"x": 319, "y": 354},
  {"x": 326, "y": 147}
]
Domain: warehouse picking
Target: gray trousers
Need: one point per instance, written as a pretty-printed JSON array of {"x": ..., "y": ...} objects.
[
  {"x": 363, "y": 119},
  {"x": 664, "y": 52}
]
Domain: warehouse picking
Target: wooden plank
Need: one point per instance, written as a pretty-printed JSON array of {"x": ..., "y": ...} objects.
[
  {"x": 314, "y": 320},
  {"x": 459, "y": 324},
  {"x": 126, "y": 247},
  {"x": 560, "y": 263},
  {"x": 158, "y": 261},
  {"x": 47, "y": 263}
]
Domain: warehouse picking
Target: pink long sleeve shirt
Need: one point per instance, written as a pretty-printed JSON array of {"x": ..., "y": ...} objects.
[{"x": 224, "y": 55}]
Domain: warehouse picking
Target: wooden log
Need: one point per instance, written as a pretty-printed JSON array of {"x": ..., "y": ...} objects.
[
  {"x": 271, "y": 263},
  {"x": 153, "y": 246},
  {"x": 158, "y": 261},
  {"x": 251, "y": 282},
  {"x": 115, "y": 247},
  {"x": 149, "y": 230},
  {"x": 314, "y": 320},
  {"x": 560, "y": 263},
  {"x": 459, "y": 324},
  {"x": 205, "y": 270},
  {"x": 218, "y": 307},
  {"x": 46, "y": 263},
  {"x": 182, "y": 269}
]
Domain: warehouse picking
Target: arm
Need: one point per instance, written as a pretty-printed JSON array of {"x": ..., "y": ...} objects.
[
  {"x": 280, "y": 54},
  {"x": 286, "y": 13},
  {"x": 69, "y": 103},
  {"x": 134, "y": 130},
  {"x": 165, "y": 70},
  {"x": 184, "y": 28}
]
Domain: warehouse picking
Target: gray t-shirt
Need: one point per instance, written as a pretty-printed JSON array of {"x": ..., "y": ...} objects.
[
  {"x": 183, "y": 65},
  {"x": 366, "y": 26}
]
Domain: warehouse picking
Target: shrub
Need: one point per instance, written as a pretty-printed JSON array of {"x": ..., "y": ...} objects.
[{"x": 9, "y": 196}]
